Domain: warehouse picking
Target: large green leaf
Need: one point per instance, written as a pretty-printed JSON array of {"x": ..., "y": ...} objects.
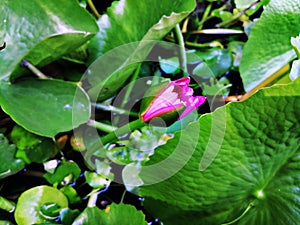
[
  {"x": 8, "y": 163},
  {"x": 45, "y": 107},
  {"x": 244, "y": 157},
  {"x": 114, "y": 214},
  {"x": 130, "y": 24},
  {"x": 28, "y": 210},
  {"x": 41, "y": 31},
  {"x": 269, "y": 47}
]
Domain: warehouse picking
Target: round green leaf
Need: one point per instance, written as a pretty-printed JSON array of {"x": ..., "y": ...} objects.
[
  {"x": 30, "y": 203},
  {"x": 45, "y": 107},
  {"x": 242, "y": 163},
  {"x": 114, "y": 214}
]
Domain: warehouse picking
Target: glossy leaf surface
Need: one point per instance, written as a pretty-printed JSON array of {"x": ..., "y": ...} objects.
[
  {"x": 269, "y": 47},
  {"x": 129, "y": 25},
  {"x": 41, "y": 31},
  {"x": 45, "y": 107}
]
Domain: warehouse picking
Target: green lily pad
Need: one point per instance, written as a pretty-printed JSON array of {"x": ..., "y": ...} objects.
[
  {"x": 45, "y": 107},
  {"x": 127, "y": 34},
  {"x": 239, "y": 163},
  {"x": 268, "y": 48},
  {"x": 41, "y": 31},
  {"x": 114, "y": 214},
  {"x": 28, "y": 210},
  {"x": 9, "y": 164}
]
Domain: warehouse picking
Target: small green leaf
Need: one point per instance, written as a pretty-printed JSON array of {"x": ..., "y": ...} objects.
[
  {"x": 67, "y": 172},
  {"x": 268, "y": 48},
  {"x": 71, "y": 194},
  {"x": 244, "y": 155},
  {"x": 31, "y": 148},
  {"x": 30, "y": 203},
  {"x": 113, "y": 214},
  {"x": 218, "y": 60},
  {"x": 61, "y": 27},
  {"x": 102, "y": 177},
  {"x": 67, "y": 216},
  {"x": 203, "y": 70},
  {"x": 91, "y": 215},
  {"x": 8, "y": 163},
  {"x": 96, "y": 180},
  {"x": 50, "y": 211},
  {"x": 122, "y": 214},
  {"x": 170, "y": 65},
  {"x": 45, "y": 107}
]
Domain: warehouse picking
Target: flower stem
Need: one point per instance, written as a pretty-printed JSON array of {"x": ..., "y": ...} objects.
[
  {"x": 122, "y": 131},
  {"x": 114, "y": 109},
  {"x": 93, "y": 8},
  {"x": 131, "y": 85},
  {"x": 182, "y": 58},
  {"x": 92, "y": 200},
  {"x": 101, "y": 126},
  {"x": 205, "y": 16},
  {"x": 226, "y": 23},
  {"x": 129, "y": 90}
]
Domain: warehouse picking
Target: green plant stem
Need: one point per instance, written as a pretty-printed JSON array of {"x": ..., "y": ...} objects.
[
  {"x": 93, "y": 8},
  {"x": 114, "y": 109},
  {"x": 182, "y": 57},
  {"x": 129, "y": 90},
  {"x": 197, "y": 45},
  {"x": 238, "y": 15},
  {"x": 122, "y": 131},
  {"x": 123, "y": 196},
  {"x": 93, "y": 198},
  {"x": 101, "y": 126},
  {"x": 205, "y": 16},
  {"x": 130, "y": 86},
  {"x": 33, "y": 69}
]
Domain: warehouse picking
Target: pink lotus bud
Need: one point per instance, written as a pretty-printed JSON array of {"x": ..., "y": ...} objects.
[{"x": 175, "y": 97}]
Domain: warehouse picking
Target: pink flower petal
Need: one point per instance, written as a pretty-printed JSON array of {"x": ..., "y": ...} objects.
[
  {"x": 174, "y": 96},
  {"x": 192, "y": 105}
]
